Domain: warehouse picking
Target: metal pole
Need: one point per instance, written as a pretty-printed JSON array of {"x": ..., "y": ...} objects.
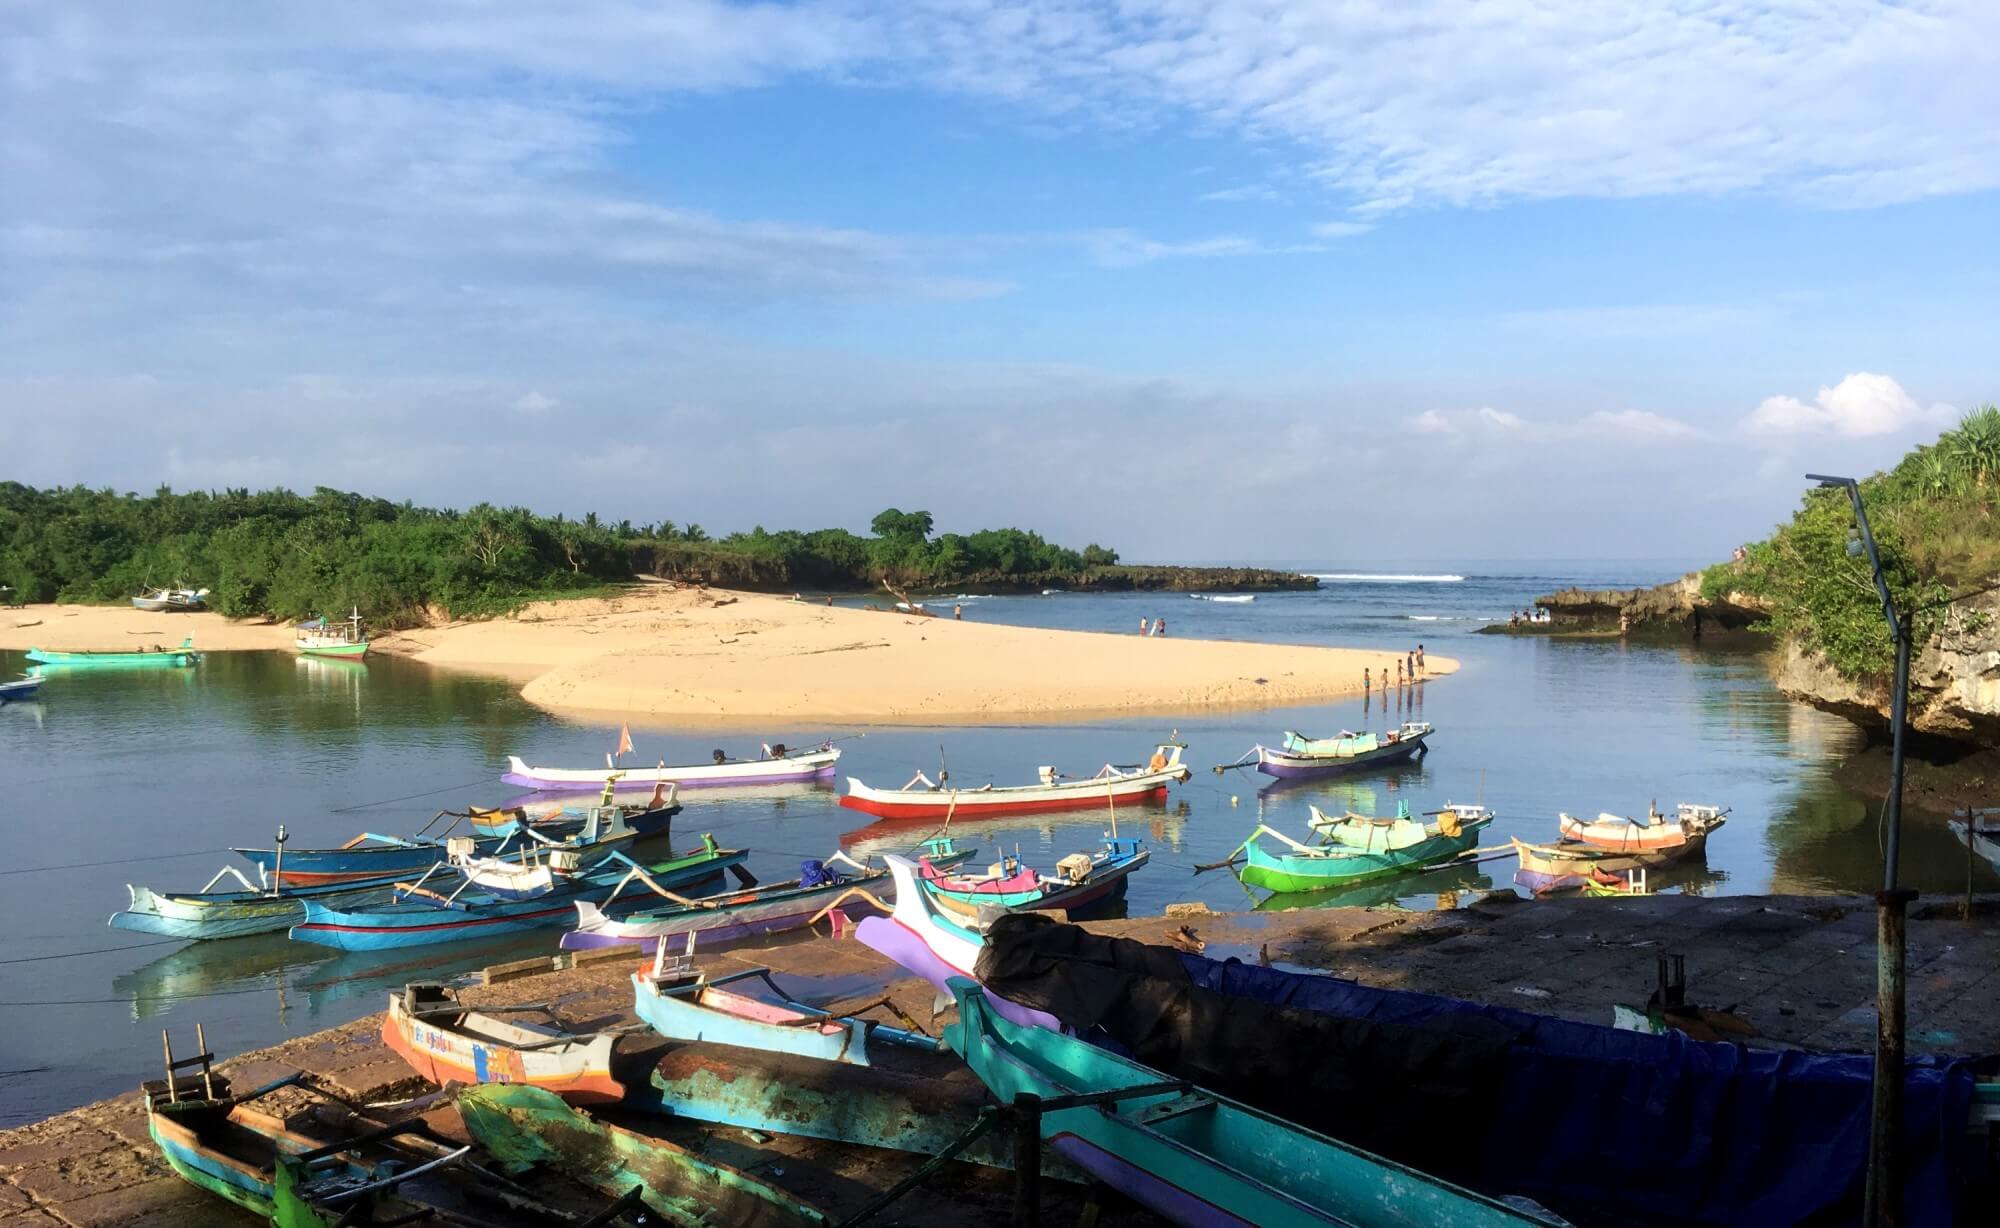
[
  {"x": 1884, "y": 1194},
  {"x": 1027, "y": 1123}
]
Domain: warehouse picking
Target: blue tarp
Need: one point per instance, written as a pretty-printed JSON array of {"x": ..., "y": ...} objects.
[{"x": 1682, "y": 1131}]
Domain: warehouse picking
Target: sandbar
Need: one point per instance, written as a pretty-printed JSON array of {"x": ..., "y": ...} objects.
[{"x": 684, "y": 654}]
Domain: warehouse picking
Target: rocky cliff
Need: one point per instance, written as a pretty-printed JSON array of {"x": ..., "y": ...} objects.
[
  {"x": 1673, "y": 605},
  {"x": 1954, "y": 680}
]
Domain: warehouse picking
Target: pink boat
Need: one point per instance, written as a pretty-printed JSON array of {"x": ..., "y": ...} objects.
[{"x": 1689, "y": 826}]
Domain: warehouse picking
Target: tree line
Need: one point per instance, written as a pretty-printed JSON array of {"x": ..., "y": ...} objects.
[
  {"x": 1936, "y": 521},
  {"x": 279, "y": 554}
]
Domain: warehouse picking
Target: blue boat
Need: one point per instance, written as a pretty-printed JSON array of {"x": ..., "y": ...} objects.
[
  {"x": 23, "y": 688},
  {"x": 207, "y": 914},
  {"x": 371, "y": 855},
  {"x": 422, "y": 917}
]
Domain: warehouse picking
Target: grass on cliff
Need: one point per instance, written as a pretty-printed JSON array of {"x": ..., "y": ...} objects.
[{"x": 1936, "y": 518}]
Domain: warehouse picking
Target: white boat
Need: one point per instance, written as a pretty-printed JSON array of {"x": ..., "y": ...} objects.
[
  {"x": 1977, "y": 828},
  {"x": 776, "y": 767},
  {"x": 164, "y": 600},
  {"x": 1113, "y": 785},
  {"x": 1237, "y": 599}
]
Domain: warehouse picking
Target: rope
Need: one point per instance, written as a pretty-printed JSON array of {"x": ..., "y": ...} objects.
[
  {"x": 115, "y": 861},
  {"x": 131, "y": 946},
  {"x": 387, "y": 801}
]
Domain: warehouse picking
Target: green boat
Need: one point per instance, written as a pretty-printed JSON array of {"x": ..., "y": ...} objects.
[
  {"x": 344, "y": 640},
  {"x": 1355, "y": 848},
  {"x": 1192, "y": 1156},
  {"x": 524, "y": 1127},
  {"x": 158, "y": 658}
]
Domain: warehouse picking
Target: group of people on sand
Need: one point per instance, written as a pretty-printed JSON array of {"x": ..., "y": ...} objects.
[
  {"x": 1528, "y": 616},
  {"x": 1408, "y": 669},
  {"x": 1152, "y": 626}
]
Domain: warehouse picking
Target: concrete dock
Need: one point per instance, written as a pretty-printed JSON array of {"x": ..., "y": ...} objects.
[{"x": 1784, "y": 970}]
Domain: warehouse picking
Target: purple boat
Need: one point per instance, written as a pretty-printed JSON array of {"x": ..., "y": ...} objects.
[
  {"x": 778, "y": 765},
  {"x": 1300, "y": 757}
]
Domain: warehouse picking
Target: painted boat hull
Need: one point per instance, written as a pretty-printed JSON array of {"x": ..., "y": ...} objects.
[
  {"x": 1106, "y": 882},
  {"x": 171, "y": 659},
  {"x": 758, "y": 910},
  {"x": 351, "y": 652},
  {"x": 723, "y": 1018},
  {"x": 1026, "y": 799},
  {"x": 23, "y": 689},
  {"x": 318, "y": 867},
  {"x": 522, "y": 1127},
  {"x": 231, "y": 914},
  {"x": 1286, "y": 766},
  {"x": 1295, "y": 872},
  {"x": 810, "y": 765},
  {"x": 413, "y": 924},
  {"x": 1985, "y": 841},
  {"x": 1201, "y": 1158},
  {"x": 458, "y": 1052}
]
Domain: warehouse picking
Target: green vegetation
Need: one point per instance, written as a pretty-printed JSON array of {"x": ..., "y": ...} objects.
[
  {"x": 284, "y": 555},
  {"x": 1934, "y": 519}
]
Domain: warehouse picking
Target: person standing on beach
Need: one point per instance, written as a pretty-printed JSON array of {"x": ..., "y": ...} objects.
[
  {"x": 1159, "y": 626},
  {"x": 1367, "y": 681},
  {"x": 1410, "y": 665},
  {"x": 1420, "y": 658}
]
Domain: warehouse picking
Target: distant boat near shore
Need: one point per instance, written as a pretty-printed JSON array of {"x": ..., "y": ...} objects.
[
  {"x": 1231, "y": 599},
  {"x": 171, "y": 600},
  {"x": 319, "y": 638},
  {"x": 159, "y": 658},
  {"x": 778, "y": 766}
]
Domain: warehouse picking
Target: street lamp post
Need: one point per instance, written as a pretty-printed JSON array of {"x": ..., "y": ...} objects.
[{"x": 1883, "y": 1200}]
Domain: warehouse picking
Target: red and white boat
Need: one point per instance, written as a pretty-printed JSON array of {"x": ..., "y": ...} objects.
[
  {"x": 446, "y": 1042},
  {"x": 1685, "y": 830},
  {"x": 1114, "y": 785}
]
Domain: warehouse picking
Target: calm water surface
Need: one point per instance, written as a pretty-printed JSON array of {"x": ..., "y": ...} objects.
[{"x": 148, "y": 777}]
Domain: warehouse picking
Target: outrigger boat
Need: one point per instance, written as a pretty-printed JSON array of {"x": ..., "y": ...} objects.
[
  {"x": 1685, "y": 831},
  {"x": 158, "y": 658},
  {"x": 527, "y": 1127},
  {"x": 779, "y": 765},
  {"x": 171, "y": 600},
  {"x": 448, "y": 1042},
  {"x": 256, "y": 909},
  {"x": 685, "y": 1005},
  {"x": 1081, "y": 880},
  {"x": 768, "y": 908},
  {"x": 19, "y": 689},
  {"x": 1545, "y": 868},
  {"x": 372, "y": 855},
  {"x": 644, "y": 818},
  {"x": 320, "y": 638},
  {"x": 1112, "y": 786},
  {"x": 1300, "y": 757},
  {"x": 420, "y": 916},
  {"x": 1193, "y": 1156},
  {"x": 1354, "y": 848}
]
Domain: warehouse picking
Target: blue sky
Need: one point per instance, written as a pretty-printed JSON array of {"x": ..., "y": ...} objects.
[{"x": 1442, "y": 279}]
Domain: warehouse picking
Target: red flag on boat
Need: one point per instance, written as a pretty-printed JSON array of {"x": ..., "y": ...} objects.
[{"x": 624, "y": 740}]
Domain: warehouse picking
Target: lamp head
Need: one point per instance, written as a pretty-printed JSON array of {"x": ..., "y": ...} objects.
[
  {"x": 1827, "y": 481},
  {"x": 1854, "y": 546}
]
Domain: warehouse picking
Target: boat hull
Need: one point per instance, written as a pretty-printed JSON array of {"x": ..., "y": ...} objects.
[
  {"x": 811, "y": 765},
  {"x": 171, "y": 659},
  {"x": 1295, "y": 872},
  {"x": 351, "y": 652},
  {"x": 1106, "y": 883},
  {"x": 1286, "y": 766},
  {"x": 580, "y": 1073},
  {"x": 412, "y": 924},
  {"x": 229, "y": 914},
  {"x": 756, "y": 911},
  {"x": 1197, "y": 1157},
  {"x": 909, "y": 804},
  {"x": 23, "y": 689},
  {"x": 699, "y": 1016}
]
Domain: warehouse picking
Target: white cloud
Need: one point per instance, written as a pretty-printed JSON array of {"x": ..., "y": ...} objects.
[
  {"x": 1259, "y": 192},
  {"x": 535, "y": 402},
  {"x": 1861, "y": 405},
  {"x": 1120, "y": 248},
  {"x": 1342, "y": 230},
  {"x": 1494, "y": 425}
]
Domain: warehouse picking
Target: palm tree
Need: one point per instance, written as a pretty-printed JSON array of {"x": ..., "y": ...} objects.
[
  {"x": 1974, "y": 447},
  {"x": 693, "y": 533},
  {"x": 1935, "y": 473}
]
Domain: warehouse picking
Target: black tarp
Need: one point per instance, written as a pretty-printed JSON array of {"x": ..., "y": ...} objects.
[{"x": 1603, "y": 1125}]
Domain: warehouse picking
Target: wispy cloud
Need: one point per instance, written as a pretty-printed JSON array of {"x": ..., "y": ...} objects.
[
  {"x": 1258, "y": 192},
  {"x": 1342, "y": 230},
  {"x": 1493, "y": 425},
  {"x": 1120, "y": 248}
]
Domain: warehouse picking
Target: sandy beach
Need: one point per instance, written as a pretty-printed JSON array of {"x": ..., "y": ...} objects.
[{"x": 675, "y": 654}]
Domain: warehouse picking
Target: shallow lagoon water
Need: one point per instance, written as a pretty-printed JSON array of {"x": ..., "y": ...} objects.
[{"x": 148, "y": 776}]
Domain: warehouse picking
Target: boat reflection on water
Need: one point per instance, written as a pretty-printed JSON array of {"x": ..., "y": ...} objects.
[
  {"x": 1375, "y": 792},
  {"x": 1430, "y": 891},
  {"x": 300, "y": 975},
  {"x": 1158, "y": 823},
  {"x": 1691, "y": 877}
]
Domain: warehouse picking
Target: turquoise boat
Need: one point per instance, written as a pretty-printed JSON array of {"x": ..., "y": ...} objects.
[
  {"x": 1195, "y": 1157},
  {"x": 160, "y": 658},
  {"x": 1355, "y": 848}
]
